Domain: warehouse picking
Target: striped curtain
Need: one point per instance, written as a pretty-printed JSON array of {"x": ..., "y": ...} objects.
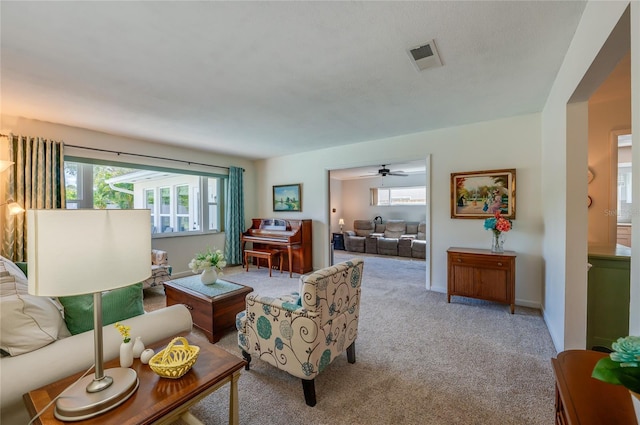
[
  {"x": 234, "y": 216},
  {"x": 35, "y": 181}
]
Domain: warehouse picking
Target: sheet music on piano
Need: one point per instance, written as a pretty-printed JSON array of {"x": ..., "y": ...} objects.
[{"x": 273, "y": 224}]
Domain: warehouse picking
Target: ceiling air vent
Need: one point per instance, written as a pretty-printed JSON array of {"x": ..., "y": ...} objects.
[{"x": 426, "y": 56}]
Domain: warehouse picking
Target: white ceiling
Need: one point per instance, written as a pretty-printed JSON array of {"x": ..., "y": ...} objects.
[{"x": 263, "y": 79}]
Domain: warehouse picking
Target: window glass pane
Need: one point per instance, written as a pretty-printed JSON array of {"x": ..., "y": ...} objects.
[
  {"x": 383, "y": 196},
  {"x": 149, "y": 200},
  {"x": 212, "y": 190},
  {"x": 165, "y": 224},
  {"x": 108, "y": 192},
  {"x": 213, "y": 217},
  {"x": 72, "y": 192},
  {"x": 415, "y": 195},
  {"x": 176, "y": 202},
  {"x": 183, "y": 224},
  {"x": 182, "y": 199}
]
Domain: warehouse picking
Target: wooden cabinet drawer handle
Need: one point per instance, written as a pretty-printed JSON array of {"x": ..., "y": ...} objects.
[
  {"x": 188, "y": 306},
  {"x": 459, "y": 260},
  {"x": 499, "y": 264}
]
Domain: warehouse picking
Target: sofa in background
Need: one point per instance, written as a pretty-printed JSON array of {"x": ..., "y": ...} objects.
[
  {"x": 43, "y": 350},
  {"x": 393, "y": 237},
  {"x": 354, "y": 240}
]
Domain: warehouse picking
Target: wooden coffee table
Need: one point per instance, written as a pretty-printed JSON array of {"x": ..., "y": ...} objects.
[
  {"x": 157, "y": 400},
  {"x": 213, "y": 307}
]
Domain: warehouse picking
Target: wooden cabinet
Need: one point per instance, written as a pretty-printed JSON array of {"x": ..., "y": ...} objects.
[
  {"x": 608, "y": 296},
  {"x": 583, "y": 400},
  {"x": 624, "y": 235},
  {"x": 480, "y": 273}
]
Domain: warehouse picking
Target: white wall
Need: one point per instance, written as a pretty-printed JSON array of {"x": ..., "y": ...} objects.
[
  {"x": 564, "y": 184},
  {"x": 180, "y": 248},
  {"x": 356, "y": 198},
  {"x": 506, "y": 143}
]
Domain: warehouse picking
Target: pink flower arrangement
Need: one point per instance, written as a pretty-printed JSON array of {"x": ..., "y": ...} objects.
[{"x": 498, "y": 223}]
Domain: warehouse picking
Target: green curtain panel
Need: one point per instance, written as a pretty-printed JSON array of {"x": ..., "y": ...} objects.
[
  {"x": 234, "y": 216},
  {"x": 35, "y": 181}
]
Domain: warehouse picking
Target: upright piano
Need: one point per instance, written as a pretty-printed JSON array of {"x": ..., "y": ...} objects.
[{"x": 291, "y": 237}]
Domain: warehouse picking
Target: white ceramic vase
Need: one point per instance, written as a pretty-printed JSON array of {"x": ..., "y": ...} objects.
[
  {"x": 138, "y": 348},
  {"x": 209, "y": 276},
  {"x": 126, "y": 354}
]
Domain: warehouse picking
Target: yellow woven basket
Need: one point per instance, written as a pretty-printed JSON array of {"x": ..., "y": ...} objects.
[{"x": 175, "y": 360}]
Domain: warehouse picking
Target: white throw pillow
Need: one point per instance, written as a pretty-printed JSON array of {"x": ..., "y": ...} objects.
[{"x": 27, "y": 322}]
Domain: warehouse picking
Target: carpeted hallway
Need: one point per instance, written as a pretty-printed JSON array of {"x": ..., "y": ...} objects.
[{"x": 419, "y": 359}]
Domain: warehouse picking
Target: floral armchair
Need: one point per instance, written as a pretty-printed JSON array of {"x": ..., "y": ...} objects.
[
  {"x": 160, "y": 269},
  {"x": 303, "y": 333}
]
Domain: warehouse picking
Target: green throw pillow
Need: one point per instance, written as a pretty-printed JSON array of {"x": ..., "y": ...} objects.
[{"x": 117, "y": 305}]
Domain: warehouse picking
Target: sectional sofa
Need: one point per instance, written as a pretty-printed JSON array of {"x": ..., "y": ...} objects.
[{"x": 393, "y": 237}]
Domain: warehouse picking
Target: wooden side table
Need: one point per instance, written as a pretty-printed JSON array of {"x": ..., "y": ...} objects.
[
  {"x": 480, "y": 273},
  {"x": 157, "y": 400},
  {"x": 583, "y": 400}
]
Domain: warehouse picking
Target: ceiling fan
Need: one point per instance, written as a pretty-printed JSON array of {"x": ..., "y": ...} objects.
[{"x": 384, "y": 172}]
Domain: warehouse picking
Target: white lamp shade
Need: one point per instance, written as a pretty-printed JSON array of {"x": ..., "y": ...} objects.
[
  {"x": 72, "y": 252},
  {"x": 341, "y": 221}
]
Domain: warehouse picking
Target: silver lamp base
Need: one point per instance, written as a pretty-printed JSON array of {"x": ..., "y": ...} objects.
[{"x": 77, "y": 404}]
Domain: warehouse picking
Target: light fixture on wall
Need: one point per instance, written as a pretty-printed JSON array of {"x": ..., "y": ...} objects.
[
  {"x": 4, "y": 164},
  {"x": 14, "y": 207},
  {"x": 57, "y": 250},
  {"x": 341, "y": 223}
]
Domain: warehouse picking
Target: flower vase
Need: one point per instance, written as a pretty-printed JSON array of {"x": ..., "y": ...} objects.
[
  {"x": 138, "y": 348},
  {"x": 126, "y": 354},
  {"x": 209, "y": 276},
  {"x": 497, "y": 242}
]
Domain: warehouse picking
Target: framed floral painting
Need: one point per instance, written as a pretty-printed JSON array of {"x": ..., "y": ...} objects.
[{"x": 480, "y": 194}]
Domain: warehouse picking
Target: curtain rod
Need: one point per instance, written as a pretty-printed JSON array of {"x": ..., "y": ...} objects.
[
  {"x": 148, "y": 156},
  {"x": 143, "y": 156}
]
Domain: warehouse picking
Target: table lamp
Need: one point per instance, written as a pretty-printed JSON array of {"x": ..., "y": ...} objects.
[
  {"x": 341, "y": 223},
  {"x": 73, "y": 252}
]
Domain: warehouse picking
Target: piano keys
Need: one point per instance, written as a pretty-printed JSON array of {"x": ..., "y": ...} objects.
[{"x": 291, "y": 237}]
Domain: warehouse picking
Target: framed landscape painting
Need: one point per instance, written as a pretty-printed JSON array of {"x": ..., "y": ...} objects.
[
  {"x": 480, "y": 194},
  {"x": 287, "y": 198}
]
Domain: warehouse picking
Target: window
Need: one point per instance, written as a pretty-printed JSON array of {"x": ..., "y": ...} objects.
[
  {"x": 394, "y": 196},
  {"x": 175, "y": 200},
  {"x": 150, "y": 204},
  {"x": 625, "y": 205}
]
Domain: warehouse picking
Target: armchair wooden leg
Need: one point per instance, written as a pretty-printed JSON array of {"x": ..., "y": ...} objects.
[
  {"x": 309, "y": 388},
  {"x": 351, "y": 352},
  {"x": 247, "y": 357}
]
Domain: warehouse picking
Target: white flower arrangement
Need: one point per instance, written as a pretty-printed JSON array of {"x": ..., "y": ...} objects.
[{"x": 205, "y": 260}]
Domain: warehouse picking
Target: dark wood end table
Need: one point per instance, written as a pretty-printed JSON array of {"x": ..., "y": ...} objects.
[
  {"x": 157, "y": 400},
  {"x": 581, "y": 399},
  {"x": 213, "y": 307}
]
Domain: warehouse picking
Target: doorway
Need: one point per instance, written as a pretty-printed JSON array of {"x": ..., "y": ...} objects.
[{"x": 387, "y": 191}]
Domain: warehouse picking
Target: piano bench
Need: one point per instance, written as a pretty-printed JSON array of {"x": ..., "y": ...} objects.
[{"x": 266, "y": 254}]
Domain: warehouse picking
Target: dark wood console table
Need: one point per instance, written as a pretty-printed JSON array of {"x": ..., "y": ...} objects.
[{"x": 581, "y": 399}]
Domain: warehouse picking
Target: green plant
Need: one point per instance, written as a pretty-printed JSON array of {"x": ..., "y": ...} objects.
[{"x": 622, "y": 367}]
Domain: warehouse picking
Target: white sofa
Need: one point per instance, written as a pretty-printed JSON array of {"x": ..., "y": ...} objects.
[{"x": 22, "y": 373}]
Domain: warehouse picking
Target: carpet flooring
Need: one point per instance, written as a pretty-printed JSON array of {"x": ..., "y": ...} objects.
[{"x": 420, "y": 360}]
